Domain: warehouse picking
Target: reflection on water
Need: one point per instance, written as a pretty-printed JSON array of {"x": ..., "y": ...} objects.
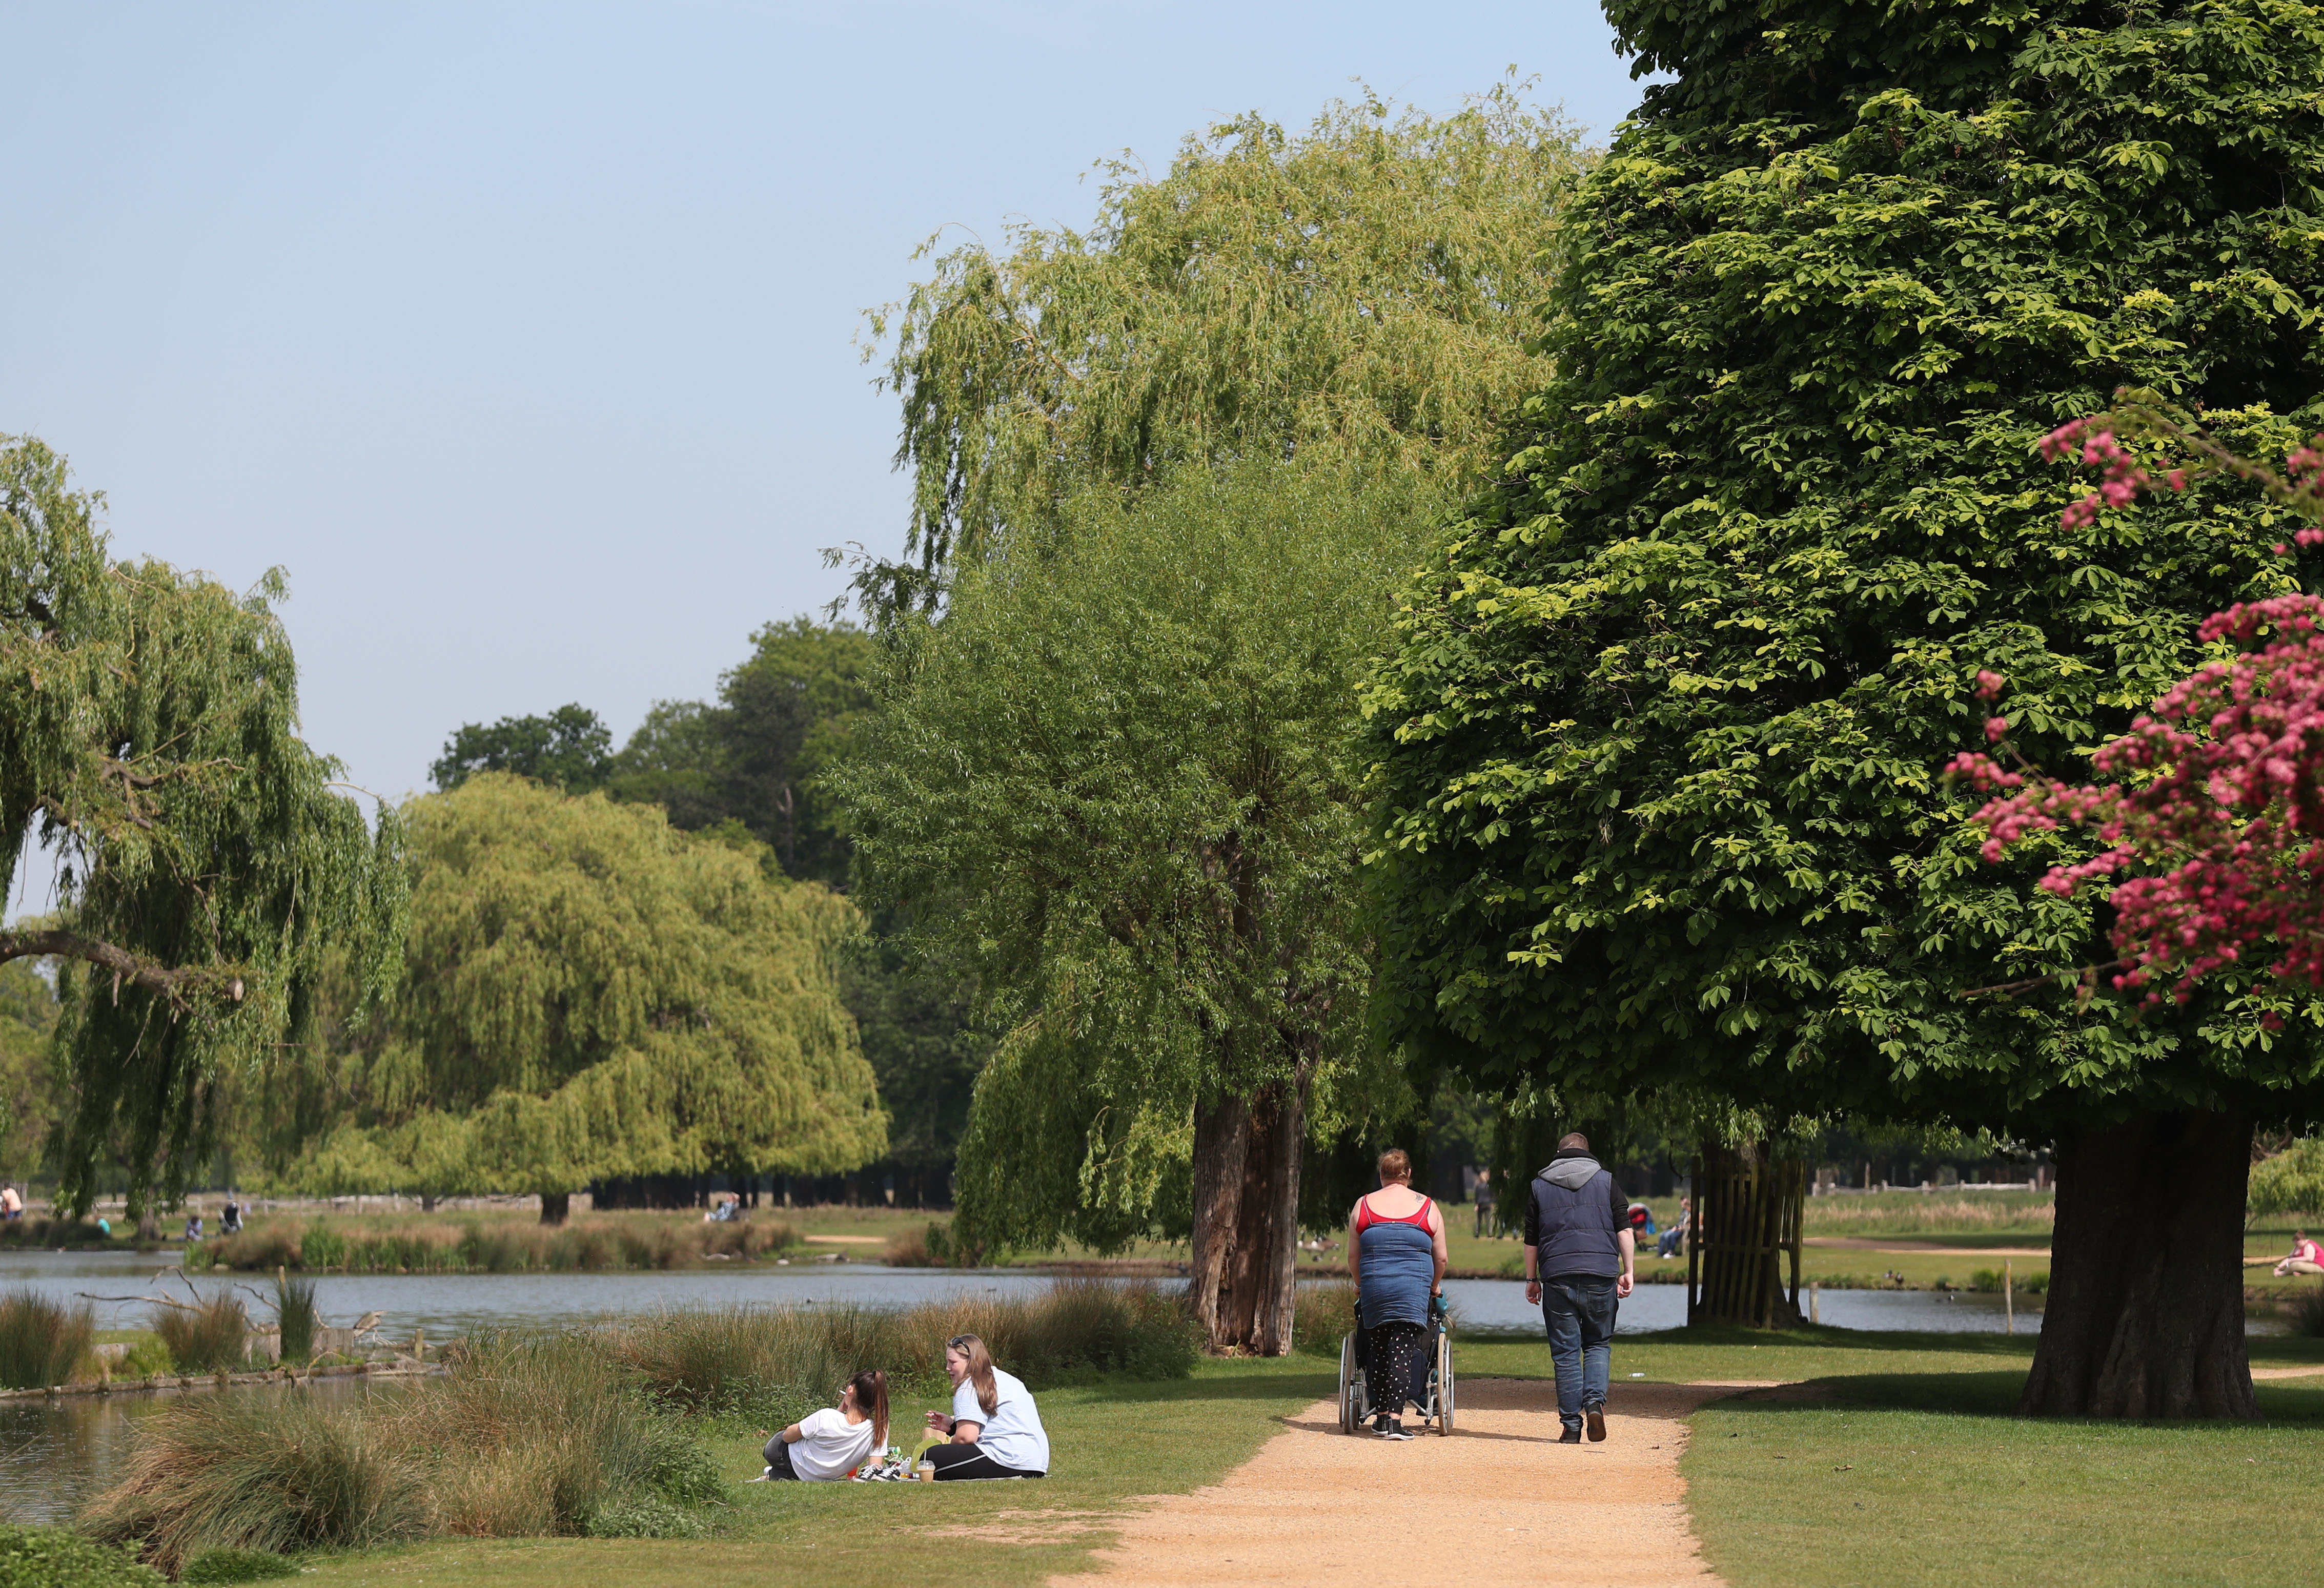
[{"x": 54, "y": 1454}]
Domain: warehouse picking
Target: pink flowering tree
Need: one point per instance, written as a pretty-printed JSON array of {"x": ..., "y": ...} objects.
[{"x": 2211, "y": 819}]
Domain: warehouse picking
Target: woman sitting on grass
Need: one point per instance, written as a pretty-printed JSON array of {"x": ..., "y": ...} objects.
[
  {"x": 824, "y": 1446},
  {"x": 994, "y": 1429}
]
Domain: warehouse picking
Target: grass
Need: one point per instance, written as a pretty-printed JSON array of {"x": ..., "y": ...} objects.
[
  {"x": 295, "y": 1315},
  {"x": 42, "y": 1341},
  {"x": 1819, "y": 1494}
]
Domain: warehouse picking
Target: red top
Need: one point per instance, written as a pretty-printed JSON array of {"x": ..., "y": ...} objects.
[{"x": 1366, "y": 1217}]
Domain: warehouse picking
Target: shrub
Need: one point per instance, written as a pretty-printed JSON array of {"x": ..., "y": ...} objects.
[
  {"x": 529, "y": 1435},
  {"x": 213, "y": 1336},
  {"x": 41, "y": 1340},
  {"x": 294, "y": 1314},
  {"x": 50, "y": 1557},
  {"x": 238, "y": 1565},
  {"x": 908, "y": 1249}
]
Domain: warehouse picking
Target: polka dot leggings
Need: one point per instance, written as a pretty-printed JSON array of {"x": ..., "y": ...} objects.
[{"x": 1388, "y": 1373}]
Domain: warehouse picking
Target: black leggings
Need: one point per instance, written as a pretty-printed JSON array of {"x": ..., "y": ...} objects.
[
  {"x": 1389, "y": 1374},
  {"x": 779, "y": 1459},
  {"x": 958, "y": 1464}
]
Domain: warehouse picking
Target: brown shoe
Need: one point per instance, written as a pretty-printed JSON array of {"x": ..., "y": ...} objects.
[{"x": 1594, "y": 1419}]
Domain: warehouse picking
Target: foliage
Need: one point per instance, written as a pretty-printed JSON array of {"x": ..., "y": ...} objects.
[
  {"x": 29, "y": 1092},
  {"x": 529, "y": 1435},
  {"x": 783, "y": 1361},
  {"x": 51, "y": 1558},
  {"x": 1114, "y": 789},
  {"x": 1660, "y": 742},
  {"x": 206, "y": 865},
  {"x": 42, "y": 1341},
  {"x": 1357, "y": 296},
  {"x": 2290, "y": 1181},
  {"x": 570, "y": 750},
  {"x": 212, "y": 1337},
  {"x": 594, "y": 994}
]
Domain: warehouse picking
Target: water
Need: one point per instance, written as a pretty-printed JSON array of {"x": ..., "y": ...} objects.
[{"x": 1497, "y": 1307}]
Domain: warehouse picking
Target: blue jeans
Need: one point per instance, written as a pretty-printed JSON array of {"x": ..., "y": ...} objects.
[{"x": 1578, "y": 1311}]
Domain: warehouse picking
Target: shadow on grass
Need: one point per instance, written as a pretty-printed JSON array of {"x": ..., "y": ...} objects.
[{"x": 1988, "y": 1395}]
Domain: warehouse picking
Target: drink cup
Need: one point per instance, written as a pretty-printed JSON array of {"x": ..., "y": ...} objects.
[{"x": 925, "y": 1471}]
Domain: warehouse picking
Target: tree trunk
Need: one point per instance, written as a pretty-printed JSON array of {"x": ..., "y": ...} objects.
[
  {"x": 2145, "y": 1315},
  {"x": 1748, "y": 1205},
  {"x": 1222, "y": 1141},
  {"x": 555, "y": 1205},
  {"x": 427, "y": 1203},
  {"x": 1247, "y": 1159}
]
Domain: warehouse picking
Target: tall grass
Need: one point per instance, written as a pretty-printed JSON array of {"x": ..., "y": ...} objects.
[
  {"x": 492, "y": 1246},
  {"x": 212, "y": 1337},
  {"x": 1324, "y": 1313},
  {"x": 529, "y": 1435},
  {"x": 41, "y": 1340},
  {"x": 295, "y": 1315},
  {"x": 780, "y": 1362},
  {"x": 1929, "y": 1213},
  {"x": 2306, "y": 1312}
]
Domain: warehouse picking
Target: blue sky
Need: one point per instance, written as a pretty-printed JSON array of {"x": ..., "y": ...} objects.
[{"x": 521, "y": 335}]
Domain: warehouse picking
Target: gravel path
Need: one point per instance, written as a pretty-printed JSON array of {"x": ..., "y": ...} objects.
[{"x": 1498, "y": 1502}]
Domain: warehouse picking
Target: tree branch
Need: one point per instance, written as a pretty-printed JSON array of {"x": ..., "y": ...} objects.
[{"x": 175, "y": 987}]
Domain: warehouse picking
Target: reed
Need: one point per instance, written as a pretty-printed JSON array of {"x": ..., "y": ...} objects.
[
  {"x": 1324, "y": 1313},
  {"x": 780, "y": 1362},
  {"x": 42, "y": 1341},
  {"x": 529, "y": 1435},
  {"x": 212, "y": 1337},
  {"x": 2306, "y": 1312},
  {"x": 492, "y": 1246},
  {"x": 295, "y": 1315}
]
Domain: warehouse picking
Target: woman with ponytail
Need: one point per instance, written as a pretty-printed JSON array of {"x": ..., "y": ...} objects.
[
  {"x": 824, "y": 1446},
  {"x": 994, "y": 1430}
]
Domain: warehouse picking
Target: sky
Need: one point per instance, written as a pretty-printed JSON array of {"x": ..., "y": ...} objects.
[{"x": 524, "y": 337}]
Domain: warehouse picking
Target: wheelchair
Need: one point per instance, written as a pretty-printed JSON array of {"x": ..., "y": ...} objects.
[{"x": 1436, "y": 1396}]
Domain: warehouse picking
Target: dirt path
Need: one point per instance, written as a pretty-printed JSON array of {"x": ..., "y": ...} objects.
[{"x": 1498, "y": 1502}]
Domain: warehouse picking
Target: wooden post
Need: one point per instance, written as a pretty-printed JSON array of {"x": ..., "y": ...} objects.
[
  {"x": 1815, "y": 1313},
  {"x": 2008, "y": 1299}
]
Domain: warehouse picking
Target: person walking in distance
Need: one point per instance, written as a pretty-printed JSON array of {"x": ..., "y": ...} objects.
[{"x": 1581, "y": 1259}]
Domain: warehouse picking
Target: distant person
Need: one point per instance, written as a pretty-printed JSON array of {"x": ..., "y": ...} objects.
[
  {"x": 230, "y": 1217},
  {"x": 1396, "y": 1255},
  {"x": 1580, "y": 1261},
  {"x": 194, "y": 1224},
  {"x": 2307, "y": 1256},
  {"x": 12, "y": 1205},
  {"x": 1484, "y": 1201},
  {"x": 1642, "y": 1221},
  {"x": 824, "y": 1446},
  {"x": 1681, "y": 1227},
  {"x": 994, "y": 1430}
]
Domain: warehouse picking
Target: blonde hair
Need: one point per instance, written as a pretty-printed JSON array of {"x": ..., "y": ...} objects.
[
  {"x": 980, "y": 1370},
  {"x": 1396, "y": 1164}
]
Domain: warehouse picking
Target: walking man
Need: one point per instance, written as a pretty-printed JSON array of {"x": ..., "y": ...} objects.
[{"x": 1580, "y": 1259}]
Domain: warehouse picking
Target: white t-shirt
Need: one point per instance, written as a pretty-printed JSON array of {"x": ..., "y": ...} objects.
[
  {"x": 829, "y": 1446},
  {"x": 1013, "y": 1434}
]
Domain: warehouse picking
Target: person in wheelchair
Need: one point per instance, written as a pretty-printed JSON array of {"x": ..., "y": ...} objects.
[{"x": 1396, "y": 1257}]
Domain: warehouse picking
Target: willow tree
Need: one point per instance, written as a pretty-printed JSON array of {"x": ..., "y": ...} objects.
[
  {"x": 1664, "y": 735},
  {"x": 591, "y": 994},
  {"x": 206, "y": 864},
  {"x": 1115, "y": 789},
  {"x": 1353, "y": 298},
  {"x": 1357, "y": 294}
]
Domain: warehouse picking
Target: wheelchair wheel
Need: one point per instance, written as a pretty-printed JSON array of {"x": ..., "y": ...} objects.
[
  {"x": 1444, "y": 1382},
  {"x": 1352, "y": 1386}
]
